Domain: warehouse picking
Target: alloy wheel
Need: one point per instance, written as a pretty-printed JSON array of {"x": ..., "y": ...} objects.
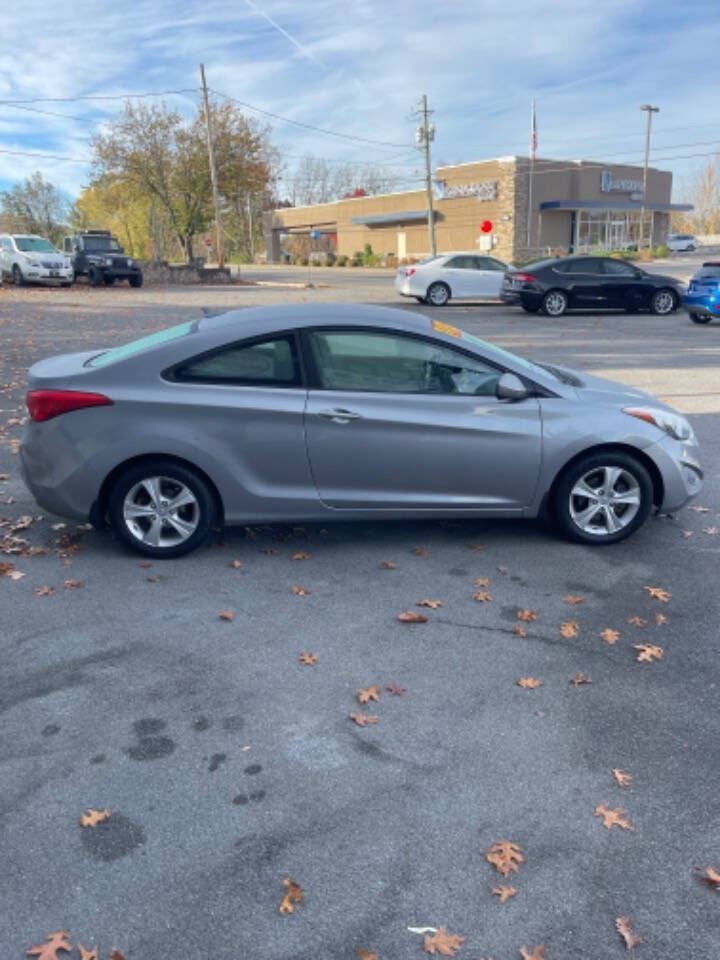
[
  {"x": 555, "y": 303},
  {"x": 604, "y": 501},
  {"x": 663, "y": 302},
  {"x": 161, "y": 512},
  {"x": 438, "y": 295}
]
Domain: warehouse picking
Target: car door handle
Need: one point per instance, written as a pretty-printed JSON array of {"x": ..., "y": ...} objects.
[{"x": 339, "y": 415}]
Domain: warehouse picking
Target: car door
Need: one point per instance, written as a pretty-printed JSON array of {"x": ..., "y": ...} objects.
[
  {"x": 458, "y": 274},
  {"x": 488, "y": 277},
  {"x": 624, "y": 284},
  {"x": 584, "y": 277},
  {"x": 402, "y": 422}
]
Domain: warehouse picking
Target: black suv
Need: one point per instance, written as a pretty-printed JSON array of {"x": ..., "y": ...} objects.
[{"x": 97, "y": 254}]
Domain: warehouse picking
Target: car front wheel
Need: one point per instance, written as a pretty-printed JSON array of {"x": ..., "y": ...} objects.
[
  {"x": 700, "y": 318},
  {"x": 95, "y": 277},
  {"x": 136, "y": 280},
  {"x": 18, "y": 278},
  {"x": 438, "y": 294},
  {"x": 161, "y": 509},
  {"x": 663, "y": 302},
  {"x": 555, "y": 303},
  {"x": 603, "y": 498}
]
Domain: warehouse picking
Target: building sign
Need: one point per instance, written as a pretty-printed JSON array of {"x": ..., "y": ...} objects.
[
  {"x": 609, "y": 184},
  {"x": 487, "y": 190}
]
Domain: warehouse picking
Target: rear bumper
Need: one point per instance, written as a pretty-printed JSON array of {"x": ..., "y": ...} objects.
[
  {"x": 519, "y": 298},
  {"x": 702, "y": 305},
  {"x": 61, "y": 484}
]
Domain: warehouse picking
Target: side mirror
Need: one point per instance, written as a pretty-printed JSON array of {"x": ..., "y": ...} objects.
[{"x": 511, "y": 387}]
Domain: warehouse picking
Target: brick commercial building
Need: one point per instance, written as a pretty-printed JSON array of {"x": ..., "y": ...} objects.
[{"x": 572, "y": 207}]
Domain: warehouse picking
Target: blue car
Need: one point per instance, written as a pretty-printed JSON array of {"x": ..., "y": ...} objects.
[{"x": 702, "y": 300}]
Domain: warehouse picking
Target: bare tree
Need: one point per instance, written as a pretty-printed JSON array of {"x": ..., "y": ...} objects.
[
  {"x": 35, "y": 206},
  {"x": 702, "y": 189},
  {"x": 316, "y": 180}
]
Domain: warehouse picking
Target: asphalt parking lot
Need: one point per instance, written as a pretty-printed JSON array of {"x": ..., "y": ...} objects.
[{"x": 227, "y": 765}]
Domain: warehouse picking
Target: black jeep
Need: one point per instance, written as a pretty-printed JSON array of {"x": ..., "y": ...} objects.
[{"x": 97, "y": 254}]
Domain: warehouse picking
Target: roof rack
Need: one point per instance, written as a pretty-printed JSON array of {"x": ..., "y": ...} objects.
[{"x": 97, "y": 233}]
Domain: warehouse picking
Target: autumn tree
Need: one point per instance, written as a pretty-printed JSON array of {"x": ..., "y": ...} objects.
[
  {"x": 702, "y": 189},
  {"x": 34, "y": 206},
  {"x": 162, "y": 159}
]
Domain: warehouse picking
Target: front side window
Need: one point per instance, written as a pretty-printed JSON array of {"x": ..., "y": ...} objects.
[
  {"x": 389, "y": 363},
  {"x": 584, "y": 265},
  {"x": 461, "y": 263},
  {"x": 263, "y": 363},
  {"x": 617, "y": 268}
]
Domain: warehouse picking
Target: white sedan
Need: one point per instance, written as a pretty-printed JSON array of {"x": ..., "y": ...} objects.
[
  {"x": 27, "y": 258},
  {"x": 681, "y": 241},
  {"x": 462, "y": 276}
]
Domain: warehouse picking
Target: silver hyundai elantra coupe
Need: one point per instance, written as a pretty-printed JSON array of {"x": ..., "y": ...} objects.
[{"x": 314, "y": 412}]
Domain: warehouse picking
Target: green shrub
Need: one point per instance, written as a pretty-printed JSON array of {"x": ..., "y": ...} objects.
[
  {"x": 662, "y": 251},
  {"x": 368, "y": 258},
  {"x": 303, "y": 261},
  {"x": 341, "y": 260}
]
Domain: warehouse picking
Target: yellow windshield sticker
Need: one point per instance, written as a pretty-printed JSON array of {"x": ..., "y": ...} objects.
[{"x": 446, "y": 328}]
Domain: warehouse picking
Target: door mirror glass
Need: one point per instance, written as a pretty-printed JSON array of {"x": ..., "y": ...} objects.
[{"x": 511, "y": 387}]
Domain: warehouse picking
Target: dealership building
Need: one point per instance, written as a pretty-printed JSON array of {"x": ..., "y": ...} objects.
[{"x": 507, "y": 205}]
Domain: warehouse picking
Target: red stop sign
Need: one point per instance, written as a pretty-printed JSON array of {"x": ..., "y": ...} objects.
[
  {"x": 486, "y": 226},
  {"x": 208, "y": 242}
]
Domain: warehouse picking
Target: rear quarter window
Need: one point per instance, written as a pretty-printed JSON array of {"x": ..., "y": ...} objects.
[{"x": 144, "y": 343}]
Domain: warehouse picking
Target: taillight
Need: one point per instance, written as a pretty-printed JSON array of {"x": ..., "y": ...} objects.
[
  {"x": 46, "y": 404},
  {"x": 524, "y": 277},
  {"x": 410, "y": 271}
]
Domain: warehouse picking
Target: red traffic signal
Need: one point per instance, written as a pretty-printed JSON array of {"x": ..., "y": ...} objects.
[{"x": 486, "y": 226}]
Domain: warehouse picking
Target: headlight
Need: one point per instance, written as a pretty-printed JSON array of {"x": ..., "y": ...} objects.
[
  {"x": 107, "y": 261},
  {"x": 671, "y": 423},
  {"x": 131, "y": 263}
]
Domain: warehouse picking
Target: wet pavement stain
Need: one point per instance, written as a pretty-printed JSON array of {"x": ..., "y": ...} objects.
[
  {"x": 201, "y": 724},
  {"x": 98, "y": 758},
  {"x": 217, "y": 760},
  {"x": 113, "y": 839},
  {"x": 50, "y": 730},
  {"x": 253, "y": 769},
  {"x": 233, "y": 724},
  {"x": 148, "y": 726},
  {"x": 151, "y": 748}
]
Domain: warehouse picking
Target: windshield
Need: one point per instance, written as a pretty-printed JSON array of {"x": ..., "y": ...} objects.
[
  {"x": 500, "y": 353},
  {"x": 136, "y": 346},
  {"x": 34, "y": 245},
  {"x": 101, "y": 243}
]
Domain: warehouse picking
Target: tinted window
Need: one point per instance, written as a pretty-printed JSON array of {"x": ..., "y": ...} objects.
[
  {"x": 264, "y": 363},
  {"x": 136, "y": 346},
  {"x": 489, "y": 263},
  {"x": 586, "y": 265},
  {"x": 387, "y": 363},
  {"x": 461, "y": 263},
  {"x": 101, "y": 243},
  {"x": 34, "y": 245},
  {"x": 617, "y": 268}
]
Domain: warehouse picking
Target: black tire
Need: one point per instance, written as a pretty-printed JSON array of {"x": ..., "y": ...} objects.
[
  {"x": 206, "y": 511},
  {"x": 421, "y": 299},
  {"x": 109, "y": 281},
  {"x": 136, "y": 280},
  {"x": 18, "y": 278},
  {"x": 561, "y": 496},
  {"x": 528, "y": 309},
  {"x": 438, "y": 294},
  {"x": 551, "y": 298},
  {"x": 663, "y": 302},
  {"x": 66, "y": 283},
  {"x": 700, "y": 318},
  {"x": 95, "y": 277}
]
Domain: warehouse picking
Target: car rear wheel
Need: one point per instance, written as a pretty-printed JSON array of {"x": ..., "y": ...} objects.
[
  {"x": 438, "y": 294},
  {"x": 700, "y": 318},
  {"x": 603, "y": 498},
  {"x": 555, "y": 303},
  {"x": 161, "y": 509},
  {"x": 95, "y": 277},
  {"x": 663, "y": 302},
  {"x": 18, "y": 278}
]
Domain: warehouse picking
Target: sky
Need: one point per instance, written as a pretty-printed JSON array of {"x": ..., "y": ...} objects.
[{"x": 359, "y": 68}]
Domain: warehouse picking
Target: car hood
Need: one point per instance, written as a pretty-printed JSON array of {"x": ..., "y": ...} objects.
[
  {"x": 599, "y": 390},
  {"x": 673, "y": 281}
]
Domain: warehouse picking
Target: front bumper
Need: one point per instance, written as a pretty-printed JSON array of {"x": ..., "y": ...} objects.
[
  {"x": 707, "y": 306},
  {"x": 681, "y": 471},
  {"x": 45, "y": 275}
]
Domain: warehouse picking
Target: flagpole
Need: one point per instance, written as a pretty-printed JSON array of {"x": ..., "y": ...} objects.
[{"x": 531, "y": 174}]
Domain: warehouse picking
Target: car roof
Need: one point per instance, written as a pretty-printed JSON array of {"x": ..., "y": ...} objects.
[{"x": 263, "y": 319}]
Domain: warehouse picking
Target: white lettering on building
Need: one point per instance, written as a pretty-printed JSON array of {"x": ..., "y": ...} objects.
[
  {"x": 608, "y": 183},
  {"x": 487, "y": 190}
]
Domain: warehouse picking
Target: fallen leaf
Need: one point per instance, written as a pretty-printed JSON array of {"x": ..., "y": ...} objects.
[
  {"x": 433, "y": 604},
  {"x": 5, "y": 568},
  {"x": 410, "y": 616},
  {"x": 116, "y": 955},
  {"x": 93, "y": 817},
  {"x": 48, "y": 950},
  {"x": 504, "y": 893},
  {"x": 58, "y": 526},
  {"x": 442, "y": 942},
  {"x": 482, "y": 596},
  {"x": 226, "y": 615},
  {"x": 610, "y": 636},
  {"x": 637, "y": 622},
  {"x": 657, "y": 593},
  {"x": 395, "y": 691},
  {"x": 300, "y": 591},
  {"x": 477, "y": 546},
  {"x": 293, "y": 894},
  {"x": 35, "y": 551},
  {"x": 537, "y": 953},
  {"x": 309, "y": 659},
  {"x": 22, "y": 523},
  {"x": 387, "y": 565},
  {"x": 4, "y": 477},
  {"x": 622, "y": 778},
  {"x": 712, "y": 531},
  {"x": 482, "y": 582},
  {"x": 572, "y": 599},
  {"x": 15, "y": 575},
  {"x": 710, "y": 876},
  {"x": 612, "y": 818},
  {"x": 43, "y": 591},
  {"x": 686, "y": 534},
  {"x": 569, "y": 629},
  {"x": 529, "y": 683},
  {"x": 367, "y": 955},
  {"x": 363, "y": 719},
  {"x": 236, "y": 564},
  {"x": 622, "y": 925},
  {"x": 660, "y": 619},
  {"x": 419, "y": 551},
  {"x": 87, "y": 954},
  {"x": 520, "y": 631},
  {"x": 579, "y": 679},
  {"x": 72, "y": 584},
  {"x": 526, "y": 615},
  {"x": 505, "y": 857},
  {"x": 368, "y": 693},
  {"x": 300, "y": 555},
  {"x": 422, "y": 930},
  {"x": 647, "y": 652},
  {"x": 503, "y": 569}
]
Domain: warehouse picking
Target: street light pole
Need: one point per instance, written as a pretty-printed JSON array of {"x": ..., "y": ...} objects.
[
  {"x": 650, "y": 111},
  {"x": 427, "y": 134}
]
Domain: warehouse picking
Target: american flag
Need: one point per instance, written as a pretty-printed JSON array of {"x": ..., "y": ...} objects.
[{"x": 533, "y": 131}]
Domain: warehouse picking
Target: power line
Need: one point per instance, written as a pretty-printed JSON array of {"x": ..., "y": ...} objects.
[
  {"x": 97, "y": 96},
  {"x": 45, "y": 156}
]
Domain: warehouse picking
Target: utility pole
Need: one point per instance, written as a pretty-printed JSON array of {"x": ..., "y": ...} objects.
[
  {"x": 213, "y": 171},
  {"x": 424, "y": 135},
  {"x": 650, "y": 111}
]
